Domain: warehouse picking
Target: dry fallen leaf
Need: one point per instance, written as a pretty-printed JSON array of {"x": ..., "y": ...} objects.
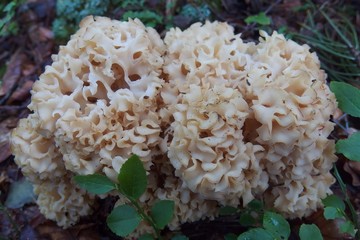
[
  {"x": 85, "y": 232},
  {"x": 13, "y": 73},
  {"x": 28, "y": 69},
  {"x": 28, "y": 233},
  {"x": 330, "y": 229},
  {"x": 22, "y": 93},
  {"x": 4, "y": 144},
  {"x": 45, "y": 34},
  {"x": 49, "y": 230}
]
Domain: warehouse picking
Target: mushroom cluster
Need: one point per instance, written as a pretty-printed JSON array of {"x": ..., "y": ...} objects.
[{"x": 216, "y": 121}]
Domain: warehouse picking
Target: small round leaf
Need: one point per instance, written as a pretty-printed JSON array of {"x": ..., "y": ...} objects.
[
  {"x": 349, "y": 147},
  {"x": 246, "y": 219},
  {"x": 162, "y": 212},
  {"x": 334, "y": 201},
  {"x": 256, "y": 234},
  {"x": 276, "y": 225},
  {"x": 348, "y": 227},
  {"x": 256, "y": 205},
  {"x": 310, "y": 231},
  {"x": 332, "y": 213},
  {"x": 227, "y": 210},
  {"x": 123, "y": 220}
]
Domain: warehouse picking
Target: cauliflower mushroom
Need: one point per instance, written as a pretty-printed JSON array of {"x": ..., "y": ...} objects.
[
  {"x": 285, "y": 125},
  {"x": 291, "y": 106},
  {"x": 207, "y": 148},
  {"x": 92, "y": 108},
  {"x": 214, "y": 120},
  {"x": 209, "y": 52}
]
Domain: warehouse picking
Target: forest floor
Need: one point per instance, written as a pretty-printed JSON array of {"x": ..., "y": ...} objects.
[{"x": 25, "y": 53}]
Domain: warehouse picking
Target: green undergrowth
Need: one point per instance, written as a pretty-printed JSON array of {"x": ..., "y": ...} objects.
[
  {"x": 70, "y": 13},
  {"x": 159, "y": 14},
  {"x": 8, "y": 23},
  {"x": 266, "y": 224},
  {"x": 348, "y": 98},
  {"x": 260, "y": 18}
]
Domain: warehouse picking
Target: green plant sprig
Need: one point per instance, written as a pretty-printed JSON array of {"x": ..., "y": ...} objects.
[
  {"x": 8, "y": 24},
  {"x": 334, "y": 208},
  {"x": 132, "y": 184},
  {"x": 266, "y": 224},
  {"x": 348, "y": 98}
]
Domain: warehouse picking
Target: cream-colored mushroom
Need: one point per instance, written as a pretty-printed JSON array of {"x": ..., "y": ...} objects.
[
  {"x": 95, "y": 106},
  {"x": 207, "y": 147},
  {"x": 62, "y": 201},
  {"x": 216, "y": 121},
  {"x": 291, "y": 107}
]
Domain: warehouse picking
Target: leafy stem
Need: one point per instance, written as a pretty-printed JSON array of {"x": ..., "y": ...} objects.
[
  {"x": 144, "y": 216},
  {"x": 132, "y": 184}
]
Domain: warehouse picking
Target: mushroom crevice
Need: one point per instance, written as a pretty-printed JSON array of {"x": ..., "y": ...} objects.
[{"x": 215, "y": 120}]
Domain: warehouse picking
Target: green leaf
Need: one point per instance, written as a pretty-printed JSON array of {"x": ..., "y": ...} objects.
[
  {"x": 256, "y": 234},
  {"x": 348, "y": 227},
  {"x": 334, "y": 201},
  {"x": 276, "y": 225},
  {"x": 147, "y": 236},
  {"x": 227, "y": 210},
  {"x": 260, "y": 18},
  {"x": 350, "y": 147},
  {"x": 131, "y": 3},
  {"x": 149, "y": 18},
  {"x": 123, "y": 220},
  {"x": 179, "y": 237},
  {"x": 132, "y": 178},
  {"x": 332, "y": 213},
  {"x": 196, "y": 12},
  {"x": 247, "y": 220},
  {"x": 162, "y": 212},
  {"x": 230, "y": 236},
  {"x": 95, "y": 183},
  {"x": 347, "y": 96},
  {"x": 10, "y": 6},
  {"x": 256, "y": 205},
  {"x": 310, "y": 231},
  {"x": 20, "y": 193}
]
